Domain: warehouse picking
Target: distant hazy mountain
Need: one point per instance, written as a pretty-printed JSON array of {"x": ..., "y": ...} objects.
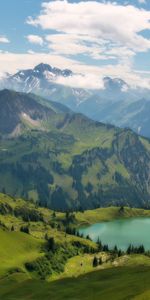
[
  {"x": 117, "y": 103},
  {"x": 65, "y": 160}
]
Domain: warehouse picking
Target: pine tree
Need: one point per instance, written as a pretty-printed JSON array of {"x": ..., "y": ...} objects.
[
  {"x": 12, "y": 228},
  {"x": 99, "y": 244},
  {"x": 25, "y": 229},
  {"x": 95, "y": 262},
  {"x": 54, "y": 214},
  {"x": 119, "y": 253},
  {"x": 115, "y": 249},
  {"x": 105, "y": 248},
  {"x": 129, "y": 250},
  {"x": 121, "y": 209},
  {"x": 88, "y": 237},
  {"x": 51, "y": 244}
]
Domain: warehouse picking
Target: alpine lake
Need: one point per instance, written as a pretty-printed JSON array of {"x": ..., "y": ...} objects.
[{"x": 122, "y": 233}]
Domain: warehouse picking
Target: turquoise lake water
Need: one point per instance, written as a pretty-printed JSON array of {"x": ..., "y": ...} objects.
[{"x": 135, "y": 231}]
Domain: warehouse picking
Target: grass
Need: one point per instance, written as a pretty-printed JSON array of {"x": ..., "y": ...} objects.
[
  {"x": 82, "y": 264},
  {"x": 126, "y": 277},
  {"x": 16, "y": 248},
  {"x": 38, "y": 229},
  {"x": 82, "y": 218},
  {"x": 108, "y": 214},
  {"x": 116, "y": 284}
]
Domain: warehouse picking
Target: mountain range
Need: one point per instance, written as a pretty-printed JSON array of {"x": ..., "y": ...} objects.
[
  {"x": 64, "y": 160},
  {"x": 117, "y": 103}
]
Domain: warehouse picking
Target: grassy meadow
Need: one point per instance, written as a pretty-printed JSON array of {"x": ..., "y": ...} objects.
[
  {"x": 120, "y": 283},
  {"x": 117, "y": 278}
]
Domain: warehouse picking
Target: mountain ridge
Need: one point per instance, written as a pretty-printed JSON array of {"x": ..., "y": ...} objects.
[
  {"x": 71, "y": 162},
  {"x": 113, "y": 104}
]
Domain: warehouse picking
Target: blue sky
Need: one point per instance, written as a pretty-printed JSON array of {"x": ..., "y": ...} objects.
[{"x": 91, "y": 37}]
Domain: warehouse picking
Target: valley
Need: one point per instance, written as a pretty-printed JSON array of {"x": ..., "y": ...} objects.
[
  {"x": 74, "y": 150},
  {"x": 60, "y": 172}
]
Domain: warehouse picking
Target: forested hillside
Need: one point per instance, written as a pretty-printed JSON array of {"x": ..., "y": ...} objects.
[{"x": 65, "y": 161}]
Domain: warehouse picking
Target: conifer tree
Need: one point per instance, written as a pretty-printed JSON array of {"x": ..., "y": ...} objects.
[{"x": 95, "y": 262}]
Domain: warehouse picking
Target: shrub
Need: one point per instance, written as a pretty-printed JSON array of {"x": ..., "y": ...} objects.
[
  {"x": 28, "y": 214},
  {"x": 25, "y": 229},
  {"x": 41, "y": 266}
]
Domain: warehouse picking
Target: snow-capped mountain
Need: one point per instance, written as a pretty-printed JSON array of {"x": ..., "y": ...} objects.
[
  {"x": 43, "y": 80},
  {"x": 33, "y": 79},
  {"x": 116, "y": 103}
]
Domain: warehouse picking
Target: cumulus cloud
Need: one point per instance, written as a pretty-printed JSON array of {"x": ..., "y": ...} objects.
[
  {"x": 100, "y": 31},
  {"x": 97, "y": 31},
  {"x": 4, "y": 39},
  {"x": 98, "y": 49},
  {"x": 35, "y": 39},
  {"x": 117, "y": 24}
]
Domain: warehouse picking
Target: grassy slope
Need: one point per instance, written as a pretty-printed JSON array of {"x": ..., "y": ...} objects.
[
  {"x": 16, "y": 248},
  {"x": 103, "y": 151},
  {"x": 115, "y": 284},
  {"x": 107, "y": 282},
  {"x": 37, "y": 229},
  {"x": 81, "y": 264},
  {"x": 85, "y": 135},
  {"x": 87, "y": 217},
  {"x": 109, "y": 213}
]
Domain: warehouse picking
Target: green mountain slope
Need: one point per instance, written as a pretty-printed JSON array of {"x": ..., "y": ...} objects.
[
  {"x": 16, "y": 248},
  {"x": 26, "y": 258},
  {"x": 24, "y": 233},
  {"x": 115, "y": 284},
  {"x": 20, "y": 111},
  {"x": 65, "y": 160}
]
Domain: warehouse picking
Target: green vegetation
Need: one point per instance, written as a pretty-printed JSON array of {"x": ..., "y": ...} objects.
[
  {"x": 39, "y": 259},
  {"x": 116, "y": 284},
  {"x": 15, "y": 249},
  {"x": 34, "y": 240},
  {"x": 66, "y": 161},
  {"x": 107, "y": 214}
]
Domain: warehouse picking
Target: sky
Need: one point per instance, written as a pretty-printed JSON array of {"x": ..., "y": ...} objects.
[{"x": 94, "y": 38}]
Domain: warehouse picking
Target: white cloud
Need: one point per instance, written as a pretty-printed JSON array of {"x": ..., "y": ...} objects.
[
  {"x": 12, "y": 62},
  {"x": 117, "y": 24},
  {"x": 99, "y": 31},
  {"x": 73, "y": 44},
  {"x": 67, "y": 44},
  {"x": 35, "y": 39},
  {"x": 90, "y": 81},
  {"x": 4, "y": 39},
  {"x": 30, "y": 51},
  {"x": 92, "y": 75}
]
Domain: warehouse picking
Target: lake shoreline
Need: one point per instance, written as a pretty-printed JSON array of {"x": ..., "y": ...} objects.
[
  {"x": 120, "y": 232},
  {"x": 107, "y": 214}
]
